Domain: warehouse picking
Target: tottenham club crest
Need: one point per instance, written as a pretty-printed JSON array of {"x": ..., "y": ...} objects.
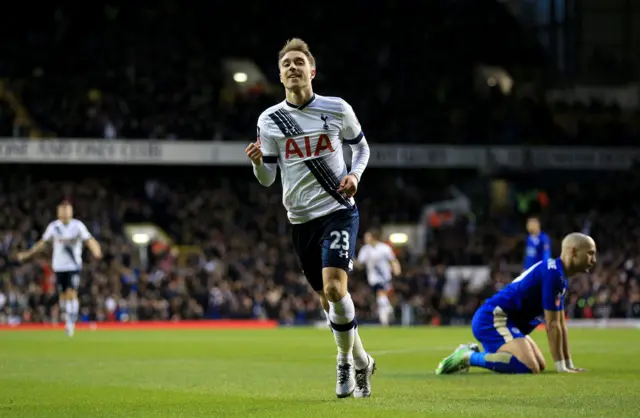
[{"x": 324, "y": 119}]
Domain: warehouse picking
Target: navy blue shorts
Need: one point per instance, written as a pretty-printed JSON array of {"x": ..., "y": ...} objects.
[
  {"x": 67, "y": 280},
  {"x": 383, "y": 286},
  {"x": 493, "y": 328},
  {"x": 328, "y": 241}
]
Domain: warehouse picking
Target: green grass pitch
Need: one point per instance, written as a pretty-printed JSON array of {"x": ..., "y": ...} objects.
[{"x": 291, "y": 373}]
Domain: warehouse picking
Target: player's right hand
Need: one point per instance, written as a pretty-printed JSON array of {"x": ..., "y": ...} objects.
[
  {"x": 254, "y": 153},
  {"x": 22, "y": 256}
]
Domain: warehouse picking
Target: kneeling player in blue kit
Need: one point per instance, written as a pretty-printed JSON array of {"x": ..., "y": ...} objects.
[{"x": 503, "y": 323}]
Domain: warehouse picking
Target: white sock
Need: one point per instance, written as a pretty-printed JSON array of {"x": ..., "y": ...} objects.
[
  {"x": 342, "y": 315},
  {"x": 75, "y": 306},
  {"x": 360, "y": 357},
  {"x": 72, "y": 307},
  {"x": 383, "y": 309}
]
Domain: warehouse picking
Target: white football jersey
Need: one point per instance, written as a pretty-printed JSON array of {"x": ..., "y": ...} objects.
[
  {"x": 306, "y": 142},
  {"x": 67, "y": 244},
  {"x": 377, "y": 258}
]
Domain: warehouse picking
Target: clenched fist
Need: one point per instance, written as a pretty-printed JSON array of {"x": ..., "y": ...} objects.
[
  {"x": 254, "y": 153},
  {"x": 348, "y": 186}
]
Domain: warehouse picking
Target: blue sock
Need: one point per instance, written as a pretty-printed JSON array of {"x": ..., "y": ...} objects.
[{"x": 498, "y": 362}]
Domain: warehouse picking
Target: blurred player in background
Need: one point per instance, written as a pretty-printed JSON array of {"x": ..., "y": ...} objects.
[
  {"x": 67, "y": 235},
  {"x": 380, "y": 263},
  {"x": 538, "y": 245},
  {"x": 504, "y": 322},
  {"x": 303, "y": 135}
]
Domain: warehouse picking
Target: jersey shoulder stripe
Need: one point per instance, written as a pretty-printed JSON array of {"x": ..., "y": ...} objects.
[
  {"x": 285, "y": 123},
  {"x": 333, "y": 105}
]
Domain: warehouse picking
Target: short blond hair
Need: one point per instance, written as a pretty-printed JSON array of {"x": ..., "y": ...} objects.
[{"x": 297, "y": 44}]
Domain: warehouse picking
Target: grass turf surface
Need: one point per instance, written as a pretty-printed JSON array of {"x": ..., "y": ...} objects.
[{"x": 291, "y": 373}]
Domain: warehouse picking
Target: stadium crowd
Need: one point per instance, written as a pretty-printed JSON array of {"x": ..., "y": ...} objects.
[
  {"x": 248, "y": 269},
  {"x": 157, "y": 72}
]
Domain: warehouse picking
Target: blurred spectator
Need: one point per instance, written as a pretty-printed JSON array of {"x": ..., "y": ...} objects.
[
  {"x": 247, "y": 268},
  {"x": 157, "y": 72}
]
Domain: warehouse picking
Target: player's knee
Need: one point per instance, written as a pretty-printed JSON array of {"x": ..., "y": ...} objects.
[
  {"x": 334, "y": 291},
  {"x": 335, "y": 283}
]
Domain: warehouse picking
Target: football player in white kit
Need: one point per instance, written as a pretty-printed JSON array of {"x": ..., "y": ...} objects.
[
  {"x": 380, "y": 262},
  {"x": 303, "y": 135},
  {"x": 67, "y": 235}
]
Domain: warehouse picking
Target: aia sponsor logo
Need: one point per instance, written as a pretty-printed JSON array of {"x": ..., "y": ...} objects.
[{"x": 307, "y": 147}]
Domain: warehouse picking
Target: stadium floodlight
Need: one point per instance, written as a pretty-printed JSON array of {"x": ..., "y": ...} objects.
[
  {"x": 493, "y": 77},
  {"x": 240, "y": 77},
  {"x": 141, "y": 239},
  {"x": 399, "y": 238}
]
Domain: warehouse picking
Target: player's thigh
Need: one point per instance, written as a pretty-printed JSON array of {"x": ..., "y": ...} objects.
[
  {"x": 381, "y": 289},
  {"x": 528, "y": 351},
  {"x": 340, "y": 232},
  {"x": 537, "y": 352},
  {"x": 484, "y": 330},
  {"x": 339, "y": 235},
  {"x": 64, "y": 283},
  {"x": 307, "y": 245},
  {"x": 496, "y": 333},
  {"x": 311, "y": 264},
  {"x": 74, "y": 284},
  {"x": 523, "y": 351}
]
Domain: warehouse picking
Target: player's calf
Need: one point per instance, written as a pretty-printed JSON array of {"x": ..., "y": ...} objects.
[
  {"x": 72, "y": 308},
  {"x": 514, "y": 357},
  {"x": 542, "y": 364},
  {"x": 342, "y": 318},
  {"x": 384, "y": 307},
  {"x": 360, "y": 357}
]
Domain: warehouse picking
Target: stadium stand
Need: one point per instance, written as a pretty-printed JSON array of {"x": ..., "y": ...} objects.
[
  {"x": 247, "y": 268},
  {"x": 157, "y": 72}
]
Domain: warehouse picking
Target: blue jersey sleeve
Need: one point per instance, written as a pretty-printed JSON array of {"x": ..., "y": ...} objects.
[
  {"x": 552, "y": 291},
  {"x": 545, "y": 243}
]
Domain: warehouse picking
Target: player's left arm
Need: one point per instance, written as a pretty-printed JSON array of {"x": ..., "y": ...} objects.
[
  {"x": 351, "y": 134},
  {"x": 565, "y": 347},
  {"x": 91, "y": 243},
  {"x": 396, "y": 268},
  {"x": 38, "y": 246},
  {"x": 546, "y": 247},
  {"x": 553, "y": 305}
]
